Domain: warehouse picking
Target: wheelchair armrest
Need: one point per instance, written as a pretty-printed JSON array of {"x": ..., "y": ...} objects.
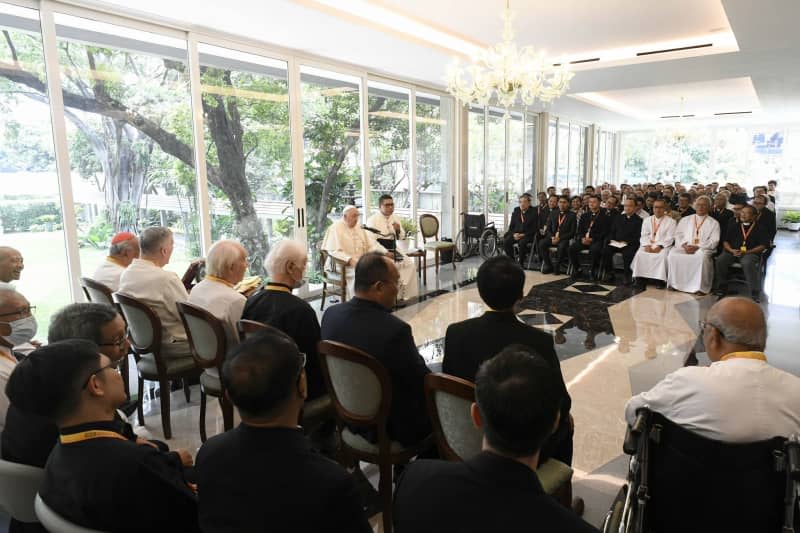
[{"x": 631, "y": 443}]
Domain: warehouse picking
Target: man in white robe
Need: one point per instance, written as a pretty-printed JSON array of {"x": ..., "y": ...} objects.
[
  {"x": 658, "y": 234},
  {"x": 386, "y": 221},
  {"x": 691, "y": 261},
  {"x": 347, "y": 241}
]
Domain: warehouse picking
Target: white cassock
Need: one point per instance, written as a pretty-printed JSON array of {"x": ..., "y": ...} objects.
[
  {"x": 382, "y": 223},
  {"x": 655, "y": 232},
  {"x": 345, "y": 243},
  {"x": 694, "y": 272}
]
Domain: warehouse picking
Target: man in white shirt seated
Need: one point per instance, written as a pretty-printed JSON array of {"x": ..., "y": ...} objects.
[
  {"x": 11, "y": 266},
  {"x": 124, "y": 249},
  {"x": 160, "y": 289},
  {"x": 225, "y": 267},
  {"x": 657, "y": 237},
  {"x": 690, "y": 267},
  {"x": 386, "y": 221},
  {"x": 17, "y": 326},
  {"x": 740, "y": 397}
]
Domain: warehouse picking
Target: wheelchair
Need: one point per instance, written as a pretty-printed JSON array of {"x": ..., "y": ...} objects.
[
  {"x": 478, "y": 236},
  {"x": 679, "y": 481}
]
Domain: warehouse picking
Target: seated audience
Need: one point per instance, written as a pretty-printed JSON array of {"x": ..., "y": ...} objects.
[
  {"x": 15, "y": 328},
  {"x": 517, "y": 407},
  {"x": 356, "y": 322},
  {"x": 761, "y": 190},
  {"x": 658, "y": 235},
  {"x": 521, "y": 229},
  {"x": 124, "y": 249},
  {"x": 561, "y": 227},
  {"x": 740, "y": 397},
  {"x": 592, "y": 230},
  {"x": 744, "y": 241},
  {"x": 640, "y": 207},
  {"x": 146, "y": 280},
  {"x": 96, "y": 475},
  {"x": 720, "y": 212},
  {"x": 225, "y": 267},
  {"x": 766, "y": 217},
  {"x": 11, "y": 266},
  {"x": 469, "y": 343},
  {"x": 772, "y": 192},
  {"x": 648, "y": 202},
  {"x": 612, "y": 206},
  {"x": 275, "y": 305},
  {"x": 691, "y": 262},
  {"x": 263, "y": 474},
  {"x": 684, "y": 207},
  {"x": 626, "y": 231}
]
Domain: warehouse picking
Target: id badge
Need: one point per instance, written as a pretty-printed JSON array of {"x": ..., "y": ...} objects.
[
  {"x": 696, "y": 242},
  {"x": 743, "y": 249}
]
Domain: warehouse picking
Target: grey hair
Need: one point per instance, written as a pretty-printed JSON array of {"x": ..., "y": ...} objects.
[
  {"x": 751, "y": 333},
  {"x": 706, "y": 199},
  {"x": 119, "y": 248},
  {"x": 222, "y": 254},
  {"x": 151, "y": 238},
  {"x": 81, "y": 321},
  {"x": 284, "y": 252}
]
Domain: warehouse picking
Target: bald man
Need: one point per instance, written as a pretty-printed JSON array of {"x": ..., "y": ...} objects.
[
  {"x": 740, "y": 397},
  {"x": 11, "y": 266}
]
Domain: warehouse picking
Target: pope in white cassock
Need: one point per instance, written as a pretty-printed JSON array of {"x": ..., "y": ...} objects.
[
  {"x": 347, "y": 241},
  {"x": 658, "y": 234},
  {"x": 691, "y": 262}
]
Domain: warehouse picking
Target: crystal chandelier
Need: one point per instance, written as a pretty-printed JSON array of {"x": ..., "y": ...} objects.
[{"x": 506, "y": 75}]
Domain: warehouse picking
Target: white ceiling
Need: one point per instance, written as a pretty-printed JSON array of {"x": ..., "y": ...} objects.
[{"x": 766, "y": 32}]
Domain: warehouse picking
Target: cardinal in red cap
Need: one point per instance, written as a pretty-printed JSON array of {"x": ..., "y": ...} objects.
[{"x": 124, "y": 249}]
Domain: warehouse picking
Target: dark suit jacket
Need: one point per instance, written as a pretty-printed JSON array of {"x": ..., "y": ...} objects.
[
  {"x": 625, "y": 228},
  {"x": 600, "y": 228},
  {"x": 542, "y": 216},
  {"x": 487, "y": 493},
  {"x": 568, "y": 227},
  {"x": 769, "y": 220},
  {"x": 689, "y": 211},
  {"x": 529, "y": 226},
  {"x": 269, "y": 479},
  {"x": 369, "y": 327},
  {"x": 723, "y": 217}
]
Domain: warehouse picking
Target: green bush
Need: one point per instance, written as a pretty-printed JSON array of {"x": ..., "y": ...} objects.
[
  {"x": 18, "y": 218},
  {"x": 97, "y": 236},
  {"x": 791, "y": 217}
]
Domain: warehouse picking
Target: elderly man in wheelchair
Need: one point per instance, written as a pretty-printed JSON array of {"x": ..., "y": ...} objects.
[{"x": 715, "y": 448}]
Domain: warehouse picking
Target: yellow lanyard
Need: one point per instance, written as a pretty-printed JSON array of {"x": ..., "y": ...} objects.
[
  {"x": 9, "y": 357},
  {"x": 759, "y": 356},
  {"x": 209, "y": 277},
  {"x": 89, "y": 435},
  {"x": 276, "y": 288},
  {"x": 115, "y": 261}
]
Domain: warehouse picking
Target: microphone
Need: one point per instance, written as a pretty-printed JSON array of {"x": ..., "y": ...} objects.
[{"x": 373, "y": 230}]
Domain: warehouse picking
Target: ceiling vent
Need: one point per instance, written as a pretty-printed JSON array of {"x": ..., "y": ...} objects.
[
  {"x": 579, "y": 61},
  {"x": 668, "y": 50},
  {"x": 677, "y": 116},
  {"x": 733, "y": 113}
]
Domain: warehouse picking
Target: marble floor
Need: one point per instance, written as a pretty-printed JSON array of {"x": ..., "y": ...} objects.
[{"x": 612, "y": 344}]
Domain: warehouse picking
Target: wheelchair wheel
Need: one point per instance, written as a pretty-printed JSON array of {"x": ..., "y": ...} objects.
[
  {"x": 487, "y": 245},
  {"x": 464, "y": 246}
]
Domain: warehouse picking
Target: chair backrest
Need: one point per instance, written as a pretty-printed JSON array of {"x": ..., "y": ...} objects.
[
  {"x": 54, "y": 523},
  {"x": 428, "y": 226},
  {"x": 700, "y": 484},
  {"x": 143, "y": 323},
  {"x": 96, "y": 292},
  {"x": 207, "y": 340},
  {"x": 18, "y": 487},
  {"x": 251, "y": 327},
  {"x": 449, "y": 401},
  {"x": 358, "y": 384}
]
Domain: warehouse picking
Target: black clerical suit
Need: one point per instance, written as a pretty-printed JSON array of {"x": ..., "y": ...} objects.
[
  {"x": 485, "y": 493},
  {"x": 112, "y": 484},
  {"x": 565, "y": 225},
  {"x": 597, "y": 226},
  {"x": 526, "y": 223},
  {"x": 469, "y": 343},
  {"x": 624, "y": 228},
  {"x": 275, "y": 305},
  {"x": 689, "y": 211},
  {"x": 270, "y": 479},
  {"x": 370, "y": 327},
  {"x": 768, "y": 220},
  {"x": 542, "y": 218},
  {"x": 722, "y": 216},
  {"x": 734, "y": 235}
]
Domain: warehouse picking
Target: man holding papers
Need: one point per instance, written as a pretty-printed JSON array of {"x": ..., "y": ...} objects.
[{"x": 624, "y": 237}]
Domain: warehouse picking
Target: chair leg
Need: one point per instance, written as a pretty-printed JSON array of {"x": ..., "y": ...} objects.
[
  {"x": 202, "y": 415},
  {"x": 140, "y": 403},
  {"x": 453, "y": 258},
  {"x": 126, "y": 379},
  {"x": 385, "y": 493},
  {"x": 186, "y": 390},
  {"x": 227, "y": 413},
  {"x": 165, "y": 422},
  {"x": 324, "y": 295},
  {"x": 437, "y": 261}
]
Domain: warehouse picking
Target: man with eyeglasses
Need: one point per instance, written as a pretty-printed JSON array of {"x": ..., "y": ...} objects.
[
  {"x": 11, "y": 266},
  {"x": 264, "y": 475},
  {"x": 96, "y": 474},
  {"x": 740, "y": 397}
]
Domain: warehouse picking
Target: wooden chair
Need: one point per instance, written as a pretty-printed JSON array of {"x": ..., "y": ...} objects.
[
  {"x": 449, "y": 401},
  {"x": 209, "y": 345},
  {"x": 145, "y": 336},
  {"x": 99, "y": 293},
  {"x": 361, "y": 391},
  {"x": 18, "y": 487},
  {"x": 250, "y": 327},
  {"x": 429, "y": 228},
  {"x": 334, "y": 277}
]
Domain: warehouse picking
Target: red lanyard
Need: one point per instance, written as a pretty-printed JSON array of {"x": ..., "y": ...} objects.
[
  {"x": 746, "y": 234},
  {"x": 697, "y": 228},
  {"x": 655, "y": 227}
]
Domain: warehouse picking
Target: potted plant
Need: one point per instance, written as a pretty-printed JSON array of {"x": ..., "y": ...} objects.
[
  {"x": 410, "y": 232},
  {"x": 792, "y": 220}
]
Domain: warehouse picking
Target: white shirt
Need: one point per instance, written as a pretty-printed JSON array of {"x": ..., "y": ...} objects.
[
  {"x": 6, "y": 367},
  {"x": 7, "y": 285},
  {"x": 161, "y": 290},
  {"x": 345, "y": 243},
  {"x": 221, "y": 301},
  {"x": 704, "y": 229},
  {"x": 382, "y": 223},
  {"x": 108, "y": 273},
  {"x": 737, "y": 400}
]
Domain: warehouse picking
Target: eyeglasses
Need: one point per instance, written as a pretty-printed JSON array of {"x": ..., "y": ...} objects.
[
  {"x": 21, "y": 311},
  {"x": 113, "y": 364},
  {"x": 119, "y": 343}
]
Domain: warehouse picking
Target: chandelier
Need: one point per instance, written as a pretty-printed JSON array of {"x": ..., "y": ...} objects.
[{"x": 506, "y": 75}]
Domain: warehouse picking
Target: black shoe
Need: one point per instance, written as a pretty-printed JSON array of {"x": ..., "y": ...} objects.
[
  {"x": 609, "y": 277},
  {"x": 575, "y": 274},
  {"x": 640, "y": 284},
  {"x": 546, "y": 269}
]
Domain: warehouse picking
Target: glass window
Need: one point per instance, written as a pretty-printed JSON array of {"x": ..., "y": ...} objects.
[
  {"x": 248, "y": 148},
  {"x": 389, "y": 146},
  {"x": 434, "y": 146},
  {"x": 496, "y": 167},
  {"x": 475, "y": 171},
  {"x": 563, "y": 156},
  {"x": 552, "y": 140},
  {"x": 517, "y": 184},
  {"x": 530, "y": 151},
  {"x": 30, "y": 206},
  {"x": 129, "y": 130},
  {"x": 575, "y": 177}
]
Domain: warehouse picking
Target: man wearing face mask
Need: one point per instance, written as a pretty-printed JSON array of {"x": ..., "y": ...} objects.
[
  {"x": 225, "y": 267},
  {"x": 17, "y": 326},
  {"x": 275, "y": 305},
  {"x": 11, "y": 266}
]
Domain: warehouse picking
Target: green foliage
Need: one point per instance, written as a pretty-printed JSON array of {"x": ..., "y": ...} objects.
[
  {"x": 98, "y": 235},
  {"x": 25, "y": 148},
  {"x": 21, "y": 217},
  {"x": 409, "y": 227},
  {"x": 791, "y": 217}
]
